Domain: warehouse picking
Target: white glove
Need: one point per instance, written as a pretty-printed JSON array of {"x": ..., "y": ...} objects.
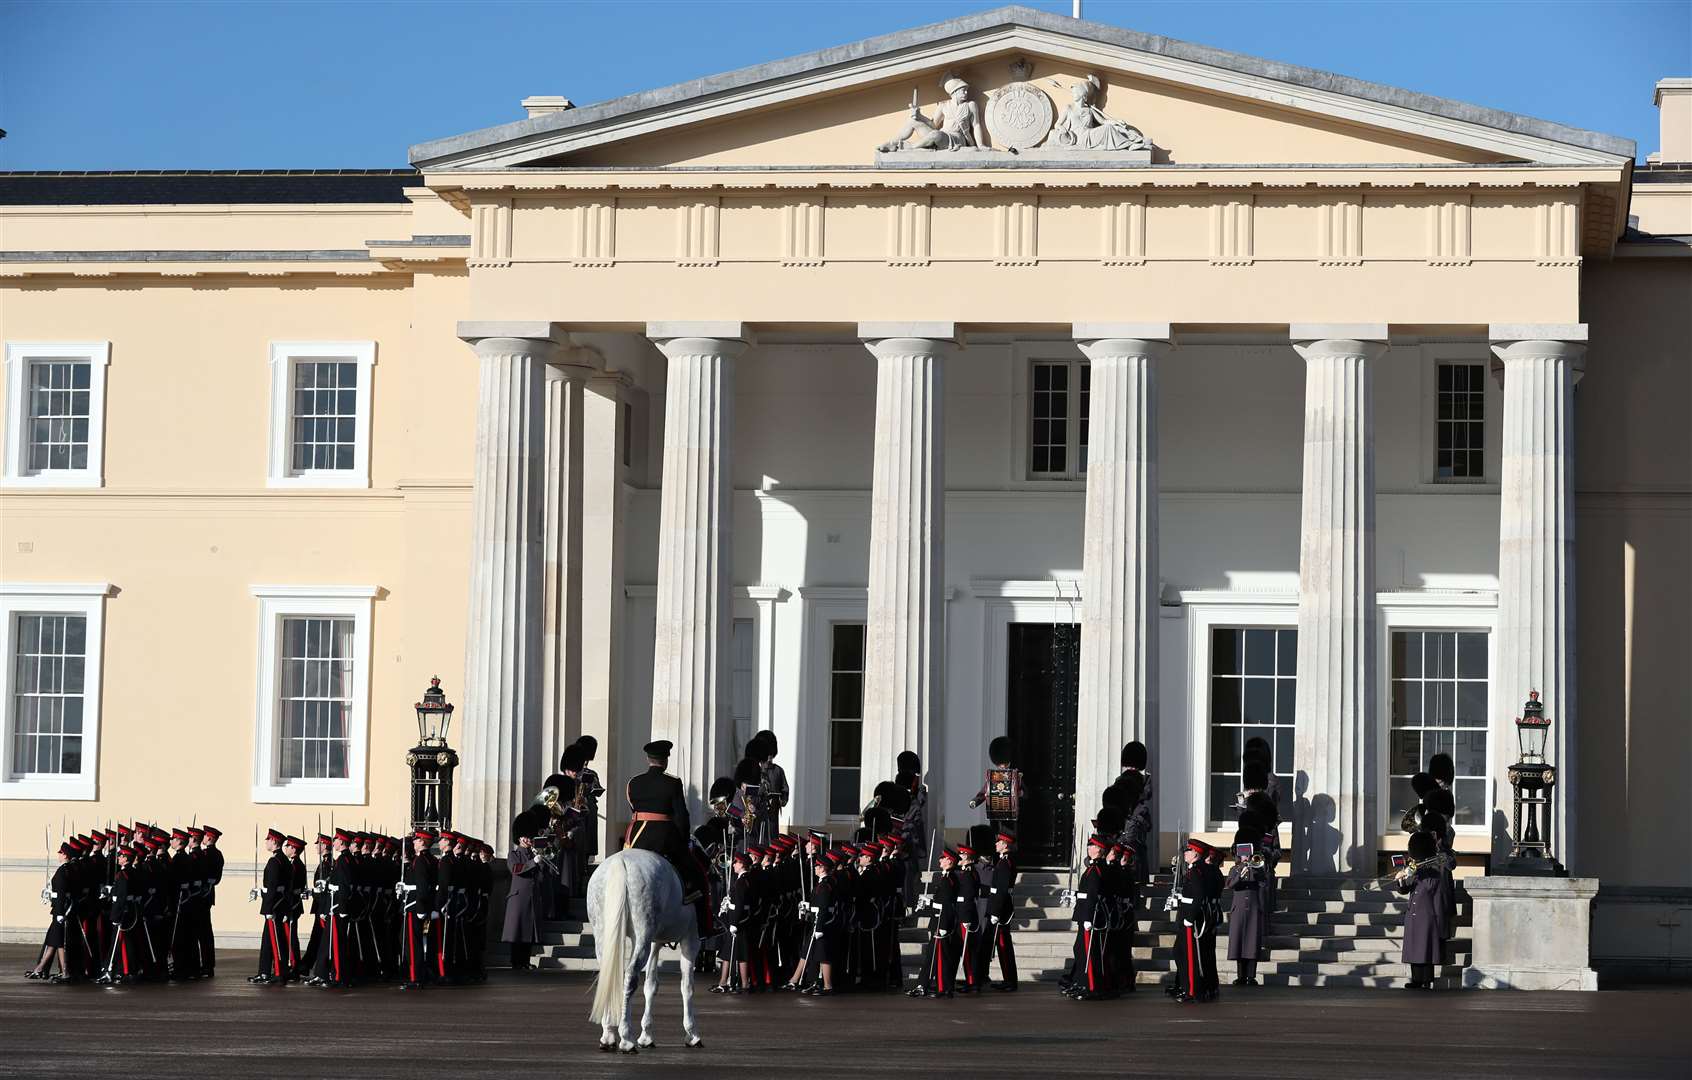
[
  {"x": 816, "y": 934},
  {"x": 941, "y": 933},
  {"x": 1086, "y": 926},
  {"x": 994, "y": 919}
]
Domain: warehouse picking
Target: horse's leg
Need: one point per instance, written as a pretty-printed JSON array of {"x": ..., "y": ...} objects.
[
  {"x": 653, "y": 956},
  {"x": 690, "y": 953},
  {"x": 625, "y": 1044}
]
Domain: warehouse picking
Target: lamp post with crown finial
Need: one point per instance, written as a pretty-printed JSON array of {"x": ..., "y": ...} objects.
[
  {"x": 1532, "y": 780},
  {"x": 432, "y": 761}
]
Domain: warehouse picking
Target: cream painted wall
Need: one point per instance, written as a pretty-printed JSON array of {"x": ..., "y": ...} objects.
[{"x": 1191, "y": 126}]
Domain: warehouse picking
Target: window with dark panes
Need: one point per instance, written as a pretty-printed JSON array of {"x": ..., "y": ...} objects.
[
  {"x": 48, "y": 670},
  {"x": 1253, "y": 692},
  {"x": 57, "y": 432},
  {"x": 1438, "y": 705},
  {"x": 845, "y": 717},
  {"x": 1058, "y": 419},
  {"x": 316, "y": 698},
  {"x": 325, "y": 416},
  {"x": 1461, "y": 451}
]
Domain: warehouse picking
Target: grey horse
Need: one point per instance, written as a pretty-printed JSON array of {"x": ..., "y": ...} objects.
[{"x": 635, "y": 905}]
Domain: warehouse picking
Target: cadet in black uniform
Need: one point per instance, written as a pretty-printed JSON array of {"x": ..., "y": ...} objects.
[
  {"x": 739, "y": 915},
  {"x": 1086, "y": 977},
  {"x": 1000, "y": 910},
  {"x": 935, "y": 979},
  {"x": 275, "y": 961},
  {"x": 1195, "y": 944},
  {"x": 211, "y": 860},
  {"x": 659, "y": 823},
  {"x": 418, "y": 885}
]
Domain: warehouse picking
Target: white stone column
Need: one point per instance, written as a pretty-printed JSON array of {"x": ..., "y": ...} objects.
[
  {"x": 1536, "y": 563},
  {"x": 1119, "y": 565},
  {"x": 691, "y": 668},
  {"x": 501, "y": 709},
  {"x": 1335, "y": 741},
  {"x": 905, "y": 641}
]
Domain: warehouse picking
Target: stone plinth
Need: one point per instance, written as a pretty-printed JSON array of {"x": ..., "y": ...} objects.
[{"x": 1531, "y": 933}]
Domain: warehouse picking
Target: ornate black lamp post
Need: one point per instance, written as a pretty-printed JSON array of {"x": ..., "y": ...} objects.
[
  {"x": 1532, "y": 779},
  {"x": 432, "y": 762}
]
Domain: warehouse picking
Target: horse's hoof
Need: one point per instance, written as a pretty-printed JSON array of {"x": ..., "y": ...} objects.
[
  {"x": 696, "y": 1043},
  {"x": 606, "y": 1048},
  {"x": 630, "y": 1050},
  {"x": 646, "y": 1043}
]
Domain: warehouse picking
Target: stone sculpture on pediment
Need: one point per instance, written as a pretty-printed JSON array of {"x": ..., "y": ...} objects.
[
  {"x": 957, "y": 126},
  {"x": 1020, "y": 114},
  {"x": 1084, "y": 127}
]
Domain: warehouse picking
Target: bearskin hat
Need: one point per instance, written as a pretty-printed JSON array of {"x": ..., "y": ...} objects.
[
  {"x": 555, "y": 780},
  {"x": 1125, "y": 791},
  {"x": 1433, "y": 822},
  {"x": 588, "y": 745},
  {"x": 722, "y": 788},
  {"x": 999, "y": 751},
  {"x": 572, "y": 761},
  {"x": 1254, "y": 774},
  {"x": 1442, "y": 768},
  {"x": 1134, "y": 755},
  {"x": 1257, "y": 749},
  {"x": 1109, "y": 820},
  {"x": 908, "y": 762},
  {"x": 1423, "y": 846},
  {"x": 531, "y": 822},
  {"x": 895, "y": 799},
  {"x": 1441, "y": 802},
  {"x": 981, "y": 837},
  {"x": 1252, "y": 826},
  {"x": 766, "y": 740},
  {"x": 1261, "y": 804},
  {"x": 1243, "y": 835},
  {"x": 1421, "y": 784},
  {"x": 747, "y": 772}
]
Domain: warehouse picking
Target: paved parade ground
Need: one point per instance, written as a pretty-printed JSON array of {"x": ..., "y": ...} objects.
[{"x": 536, "y": 1026}]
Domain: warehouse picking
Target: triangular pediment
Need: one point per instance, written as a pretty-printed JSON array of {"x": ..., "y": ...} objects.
[{"x": 1196, "y": 106}]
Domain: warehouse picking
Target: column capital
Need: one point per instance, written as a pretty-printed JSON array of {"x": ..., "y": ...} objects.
[
  {"x": 1317, "y": 341},
  {"x": 1099, "y": 340},
  {"x": 539, "y": 331},
  {"x": 733, "y": 335},
  {"x": 936, "y": 333},
  {"x": 1539, "y": 342}
]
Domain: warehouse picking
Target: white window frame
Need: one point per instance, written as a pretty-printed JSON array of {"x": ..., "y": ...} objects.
[
  {"x": 1209, "y": 609},
  {"x": 1415, "y": 610},
  {"x": 277, "y": 602},
  {"x": 19, "y": 356},
  {"x": 1073, "y": 475},
  {"x": 283, "y": 356},
  {"x": 825, "y": 605},
  {"x": 1427, "y": 469},
  {"x": 88, "y": 601}
]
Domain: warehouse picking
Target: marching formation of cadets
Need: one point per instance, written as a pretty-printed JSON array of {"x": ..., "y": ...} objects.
[
  {"x": 132, "y": 904},
  {"x": 382, "y": 909}
]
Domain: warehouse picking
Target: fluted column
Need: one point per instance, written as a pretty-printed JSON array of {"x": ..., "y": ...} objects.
[
  {"x": 904, "y": 662},
  {"x": 1536, "y": 563},
  {"x": 692, "y": 702},
  {"x": 561, "y": 628},
  {"x": 1335, "y": 738},
  {"x": 500, "y": 709},
  {"x": 1119, "y": 564}
]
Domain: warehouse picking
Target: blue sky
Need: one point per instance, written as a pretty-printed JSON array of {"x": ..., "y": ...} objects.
[{"x": 344, "y": 85}]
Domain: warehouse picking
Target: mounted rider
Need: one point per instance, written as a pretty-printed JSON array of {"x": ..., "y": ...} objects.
[{"x": 658, "y": 822}]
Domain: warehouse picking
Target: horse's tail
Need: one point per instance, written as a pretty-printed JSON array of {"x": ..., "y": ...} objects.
[{"x": 611, "y": 934}]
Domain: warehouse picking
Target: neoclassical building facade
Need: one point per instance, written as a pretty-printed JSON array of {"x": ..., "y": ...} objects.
[{"x": 1013, "y": 375}]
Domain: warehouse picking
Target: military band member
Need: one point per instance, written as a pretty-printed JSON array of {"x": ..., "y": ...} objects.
[
  {"x": 772, "y": 785},
  {"x": 1248, "y": 916},
  {"x": 913, "y": 831},
  {"x": 1000, "y": 752},
  {"x": 589, "y": 789},
  {"x": 275, "y": 963},
  {"x": 1135, "y": 785},
  {"x": 521, "y": 930},
  {"x": 1000, "y": 912},
  {"x": 1425, "y": 928}
]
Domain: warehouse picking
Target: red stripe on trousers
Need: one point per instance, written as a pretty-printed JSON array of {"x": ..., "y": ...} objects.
[
  {"x": 440, "y": 954},
  {"x": 940, "y": 965},
  {"x": 411, "y": 945},
  {"x": 335, "y": 945},
  {"x": 123, "y": 946},
  {"x": 275, "y": 953},
  {"x": 969, "y": 961},
  {"x": 1088, "y": 939},
  {"x": 1192, "y": 987}
]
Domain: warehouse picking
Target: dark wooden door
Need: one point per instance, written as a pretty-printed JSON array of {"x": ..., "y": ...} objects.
[{"x": 1044, "y": 679}]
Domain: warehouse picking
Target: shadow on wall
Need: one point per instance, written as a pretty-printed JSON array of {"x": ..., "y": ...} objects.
[{"x": 1315, "y": 840}]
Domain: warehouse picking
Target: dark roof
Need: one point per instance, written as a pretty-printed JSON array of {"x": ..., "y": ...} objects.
[{"x": 163, "y": 187}]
